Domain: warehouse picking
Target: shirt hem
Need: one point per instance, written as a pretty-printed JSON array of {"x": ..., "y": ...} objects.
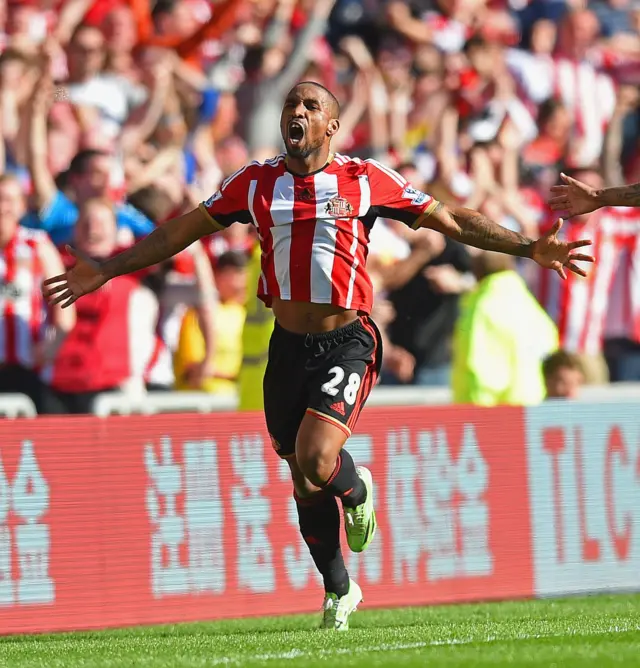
[{"x": 355, "y": 306}]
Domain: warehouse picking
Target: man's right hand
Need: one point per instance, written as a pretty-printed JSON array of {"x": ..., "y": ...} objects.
[{"x": 85, "y": 276}]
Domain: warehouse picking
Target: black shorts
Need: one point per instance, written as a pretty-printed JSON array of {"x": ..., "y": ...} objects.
[{"x": 329, "y": 375}]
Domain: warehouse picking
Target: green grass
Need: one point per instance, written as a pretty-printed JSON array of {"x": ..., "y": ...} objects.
[{"x": 597, "y": 631}]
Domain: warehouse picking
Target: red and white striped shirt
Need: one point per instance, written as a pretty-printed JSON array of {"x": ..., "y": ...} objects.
[
  {"x": 579, "y": 305},
  {"x": 22, "y": 308},
  {"x": 588, "y": 94},
  {"x": 623, "y": 314},
  {"x": 314, "y": 229}
]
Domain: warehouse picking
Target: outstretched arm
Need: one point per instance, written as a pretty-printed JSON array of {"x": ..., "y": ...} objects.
[
  {"x": 164, "y": 242},
  {"x": 619, "y": 196},
  {"x": 474, "y": 229}
]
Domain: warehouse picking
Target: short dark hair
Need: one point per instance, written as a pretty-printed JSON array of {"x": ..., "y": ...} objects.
[
  {"x": 331, "y": 96},
  {"x": 153, "y": 202},
  {"x": 561, "y": 359},
  {"x": 80, "y": 162},
  {"x": 548, "y": 108},
  {"x": 163, "y": 7},
  {"x": 232, "y": 259}
]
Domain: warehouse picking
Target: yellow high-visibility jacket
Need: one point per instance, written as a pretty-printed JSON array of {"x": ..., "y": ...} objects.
[
  {"x": 256, "y": 334},
  {"x": 500, "y": 340}
]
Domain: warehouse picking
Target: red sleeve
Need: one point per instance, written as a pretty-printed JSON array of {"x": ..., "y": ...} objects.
[
  {"x": 230, "y": 204},
  {"x": 392, "y": 196}
]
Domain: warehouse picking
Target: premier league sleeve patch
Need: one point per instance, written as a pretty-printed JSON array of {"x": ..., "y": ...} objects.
[
  {"x": 214, "y": 198},
  {"x": 417, "y": 197}
]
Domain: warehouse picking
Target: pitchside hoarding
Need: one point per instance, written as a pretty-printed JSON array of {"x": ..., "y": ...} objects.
[{"x": 138, "y": 520}]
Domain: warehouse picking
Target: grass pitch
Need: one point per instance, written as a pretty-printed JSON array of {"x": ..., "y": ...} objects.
[{"x": 597, "y": 631}]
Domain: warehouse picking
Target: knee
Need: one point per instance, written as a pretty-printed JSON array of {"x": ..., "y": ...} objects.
[{"x": 317, "y": 463}]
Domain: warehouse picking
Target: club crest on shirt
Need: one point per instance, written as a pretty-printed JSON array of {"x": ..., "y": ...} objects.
[
  {"x": 338, "y": 207},
  {"x": 417, "y": 197}
]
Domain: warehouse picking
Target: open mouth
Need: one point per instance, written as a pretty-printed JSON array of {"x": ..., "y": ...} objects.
[{"x": 296, "y": 132}]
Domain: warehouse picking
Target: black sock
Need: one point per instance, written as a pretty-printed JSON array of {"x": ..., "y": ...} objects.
[
  {"x": 345, "y": 483},
  {"x": 320, "y": 527}
]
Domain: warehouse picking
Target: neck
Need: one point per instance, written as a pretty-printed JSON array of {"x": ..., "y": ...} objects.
[{"x": 312, "y": 163}]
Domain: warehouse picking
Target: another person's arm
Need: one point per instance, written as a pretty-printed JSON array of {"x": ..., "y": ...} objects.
[
  {"x": 206, "y": 310},
  {"x": 44, "y": 187},
  {"x": 575, "y": 198},
  {"x": 400, "y": 19},
  {"x": 62, "y": 320},
  {"x": 300, "y": 55}
]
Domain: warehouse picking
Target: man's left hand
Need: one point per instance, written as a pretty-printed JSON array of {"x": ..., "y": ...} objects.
[{"x": 548, "y": 251}]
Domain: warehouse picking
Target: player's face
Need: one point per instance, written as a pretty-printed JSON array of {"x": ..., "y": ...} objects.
[{"x": 306, "y": 123}]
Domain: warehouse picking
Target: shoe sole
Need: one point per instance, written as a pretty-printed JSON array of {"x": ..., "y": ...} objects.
[{"x": 367, "y": 478}]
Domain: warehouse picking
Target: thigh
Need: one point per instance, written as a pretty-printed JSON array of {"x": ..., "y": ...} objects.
[
  {"x": 343, "y": 379},
  {"x": 284, "y": 395}
]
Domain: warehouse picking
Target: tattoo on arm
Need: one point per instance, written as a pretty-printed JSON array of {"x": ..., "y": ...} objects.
[
  {"x": 474, "y": 229},
  {"x": 622, "y": 195},
  {"x": 151, "y": 250}
]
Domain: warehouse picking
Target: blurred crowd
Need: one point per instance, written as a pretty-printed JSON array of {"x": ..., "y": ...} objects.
[{"x": 117, "y": 115}]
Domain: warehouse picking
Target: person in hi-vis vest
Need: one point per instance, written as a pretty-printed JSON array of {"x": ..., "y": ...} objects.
[{"x": 256, "y": 334}]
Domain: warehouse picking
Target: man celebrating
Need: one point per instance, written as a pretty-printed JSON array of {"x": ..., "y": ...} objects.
[{"x": 313, "y": 211}]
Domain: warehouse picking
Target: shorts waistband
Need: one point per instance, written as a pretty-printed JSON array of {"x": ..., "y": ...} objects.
[{"x": 332, "y": 335}]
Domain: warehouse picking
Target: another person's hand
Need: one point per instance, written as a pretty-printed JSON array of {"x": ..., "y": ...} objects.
[
  {"x": 627, "y": 100},
  {"x": 549, "y": 252},
  {"x": 400, "y": 363},
  {"x": 197, "y": 373},
  {"x": 445, "y": 279},
  {"x": 574, "y": 198}
]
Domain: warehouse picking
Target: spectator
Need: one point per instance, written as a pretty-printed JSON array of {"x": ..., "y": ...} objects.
[
  {"x": 256, "y": 335},
  {"x": 563, "y": 376},
  {"x": 156, "y": 103},
  {"x": 90, "y": 175},
  {"x": 104, "y": 101},
  {"x": 271, "y": 72},
  {"x": 423, "y": 290},
  {"x": 113, "y": 339},
  {"x": 30, "y": 334},
  {"x": 579, "y": 306},
  {"x": 501, "y": 339},
  {"x": 231, "y": 282}
]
